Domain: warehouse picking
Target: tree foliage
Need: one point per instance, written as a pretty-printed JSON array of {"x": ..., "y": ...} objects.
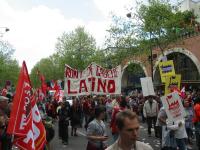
[
  {"x": 9, "y": 68},
  {"x": 46, "y": 67},
  {"x": 77, "y": 49},
  {"x": 155, "y": 24}
]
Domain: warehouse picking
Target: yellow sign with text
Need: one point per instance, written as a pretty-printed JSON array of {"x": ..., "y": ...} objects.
[
  {"x": 166, "y": 69},
  {"x": 172, "y": 82}
]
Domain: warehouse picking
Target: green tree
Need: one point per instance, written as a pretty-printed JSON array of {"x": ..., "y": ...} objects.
[
  {"x": 76, "y": 48},
  {"x": 9, "y": 68},
  {"x": 46, "y": 67},
  {"x": 155, "y": 24}
]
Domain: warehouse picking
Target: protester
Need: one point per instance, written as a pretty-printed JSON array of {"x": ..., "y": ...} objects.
[
  {"x": 75, "y": 113},
  {"x": 188, "y": 121},
  {"x": 179, "y": 132},
  {"x": 161, "y": 121},
  {"x": 196, "y": 121},
  {"x": 127, "y": 123},
  {"x": 3, "y": 105},
  {"x": 49, "y": 127},
  {"x": 96, "y": 131},
  {"x": 5, "y": 140},
  {"x": 109, "y": 109},
  {"x": 122, "y": 106},
  {"x": 134, "y": 103},
  {"x": 86, "y": 110},
  {"x": 64, "y": 116},
  {"x": 150, "y": 111},
  {"x": 168, "y": 138}
]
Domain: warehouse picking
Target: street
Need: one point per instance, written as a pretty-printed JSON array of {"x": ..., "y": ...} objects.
[{"x": 80, "y": 142}]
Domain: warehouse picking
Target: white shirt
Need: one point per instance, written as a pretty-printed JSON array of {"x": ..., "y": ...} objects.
[
  {"x": 139, "y": 146},
  {"x": 180, "y": 132}
]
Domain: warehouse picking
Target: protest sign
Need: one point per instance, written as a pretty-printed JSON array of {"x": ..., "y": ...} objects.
[
  {"x": 93, "y": 80},
  {"x": 147, "y": 86},
  {"x": 173, "y": 106},
  {"x": 172, "y": 82},
  {"x": 166, "y": 69}
]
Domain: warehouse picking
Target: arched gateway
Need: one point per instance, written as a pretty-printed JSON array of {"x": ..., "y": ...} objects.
[
  {"x": 131, "y": 77},
  {"x": 185, "y": 63}
]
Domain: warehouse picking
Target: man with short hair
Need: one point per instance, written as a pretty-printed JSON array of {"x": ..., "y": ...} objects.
[
  {"x": 150, "y": 112},
  {"x": 128, "y": 127}
]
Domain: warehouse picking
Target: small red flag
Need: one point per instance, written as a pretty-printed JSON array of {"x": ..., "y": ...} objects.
[{"x": 43, "y": 84}]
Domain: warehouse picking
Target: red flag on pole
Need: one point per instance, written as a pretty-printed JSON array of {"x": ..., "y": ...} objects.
[
  {"x": 23, "y": 115},
  {"x": 20, "y": 123},
  {"x": 43, "y": 84}
]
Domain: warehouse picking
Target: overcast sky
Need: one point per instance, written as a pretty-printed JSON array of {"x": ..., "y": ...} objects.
[{"x": 35, "y": 24}]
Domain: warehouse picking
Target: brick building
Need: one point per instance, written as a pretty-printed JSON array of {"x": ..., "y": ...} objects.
[{"x": 186, "y": 57}]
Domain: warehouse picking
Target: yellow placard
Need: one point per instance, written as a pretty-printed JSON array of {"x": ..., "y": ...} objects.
[
  {"x": 166, "y": 69},
  {"x": 171, "y": 82}
]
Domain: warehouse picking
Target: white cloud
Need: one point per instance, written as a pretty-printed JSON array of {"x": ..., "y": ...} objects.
[
  {"x": 117, "y": 7},
  {"x": 34, "y": 32}
]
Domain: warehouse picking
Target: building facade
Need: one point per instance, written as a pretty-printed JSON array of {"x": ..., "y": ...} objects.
[
  {"x": 186, "y": 57},
  {"x": 191, "y": 5}
]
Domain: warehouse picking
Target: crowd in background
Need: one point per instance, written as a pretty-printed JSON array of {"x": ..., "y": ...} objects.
[{"x": 82, "y": 112}]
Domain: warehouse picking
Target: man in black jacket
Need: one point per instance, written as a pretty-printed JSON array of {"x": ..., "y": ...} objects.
[{"x": 64, "y": 116}]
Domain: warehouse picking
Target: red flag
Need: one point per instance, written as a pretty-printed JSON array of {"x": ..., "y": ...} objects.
[
  {"x": 58, "y": 95},
  {"x": 20, "y": 123},
  {"x": 40, "y": 95},
  {"x": 25, "y": 121},
  {"x": 54, "y": 85},
  {"x": 38, "y": 127},
  {"x": 43, "y": 84}
]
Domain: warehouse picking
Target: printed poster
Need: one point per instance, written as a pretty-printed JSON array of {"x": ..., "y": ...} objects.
[
  {"x": 166, "y": 69},
  {"x": 147, "y": 86},
  {"x": 173, "y": 106},
  {"x": 172, "y": 82}
]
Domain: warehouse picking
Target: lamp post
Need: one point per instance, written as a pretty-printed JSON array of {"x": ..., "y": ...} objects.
[
  {"x": 3, "y": 30},
  {"x": 151, "y": 59}
]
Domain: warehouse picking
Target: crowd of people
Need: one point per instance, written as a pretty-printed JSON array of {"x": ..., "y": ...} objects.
[{"x": 123, "y": 114}]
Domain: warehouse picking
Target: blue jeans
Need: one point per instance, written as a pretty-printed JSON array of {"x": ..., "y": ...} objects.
[{"x": 181, "y": 144}]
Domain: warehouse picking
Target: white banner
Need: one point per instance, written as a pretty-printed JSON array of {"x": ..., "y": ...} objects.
[
  {"x": 93, "y": 80},
  {"x": 147, "y": 86},
  {"x": 173, "y": 106}
]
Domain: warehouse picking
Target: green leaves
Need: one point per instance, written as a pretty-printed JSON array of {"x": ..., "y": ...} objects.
[
  {"x": 76, "y": 48},
  {"x": 9, "y": 68},
  {"x": 155, "y": 24}
]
